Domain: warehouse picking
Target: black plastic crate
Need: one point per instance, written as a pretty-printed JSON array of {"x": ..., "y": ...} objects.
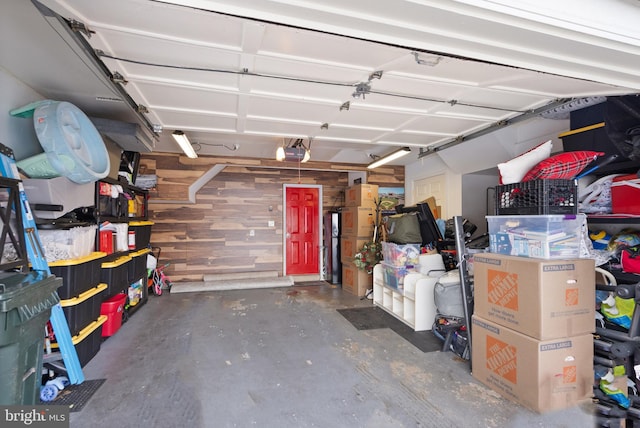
[
  {"x": 138, "y": 265},
  {"x": 84, "y": 309},
  {"x": 142, "y": 229},
  {"x": 78, "y": 275},
  {"x": 593, "y": 137},
  {"x": 116, "y": 275},
  {"x": 88, "y": 341},
  {"x": 537, "y": 197}
]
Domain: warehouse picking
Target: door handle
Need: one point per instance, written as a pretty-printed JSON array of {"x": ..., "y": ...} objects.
[{"x": 288, "y": 235}]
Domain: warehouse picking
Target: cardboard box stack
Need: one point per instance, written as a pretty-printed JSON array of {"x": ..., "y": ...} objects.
[
  {"x": 357, "y": 223},
  {"x": 531, "y": 329}
]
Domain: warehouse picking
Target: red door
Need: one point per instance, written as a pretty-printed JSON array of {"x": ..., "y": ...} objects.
[{"x": 302, "y": 233}]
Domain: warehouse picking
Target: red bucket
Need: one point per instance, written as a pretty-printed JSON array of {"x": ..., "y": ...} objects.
[{"x": 113, "y": 309}]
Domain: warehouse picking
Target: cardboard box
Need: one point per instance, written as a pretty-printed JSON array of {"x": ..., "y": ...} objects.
[
  {"x": 358, "y": 221},
  {"x": 361, "y": 195},
  {"x": 436, "y": 210},
  {"x": 355, "y": 281},
  {"x": 544, "y": 299},
  {"x": 541, "y": 375},
  {"x": 349, "y": 246}
]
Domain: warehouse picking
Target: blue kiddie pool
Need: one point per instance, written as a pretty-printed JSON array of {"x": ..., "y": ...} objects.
[{"x": 73, "y": 147}]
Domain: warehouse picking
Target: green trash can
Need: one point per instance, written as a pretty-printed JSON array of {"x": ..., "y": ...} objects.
[{"x": 26, "y": 300}]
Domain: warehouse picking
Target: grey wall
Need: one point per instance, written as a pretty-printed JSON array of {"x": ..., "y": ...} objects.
[{"x": 15, "y": 132}]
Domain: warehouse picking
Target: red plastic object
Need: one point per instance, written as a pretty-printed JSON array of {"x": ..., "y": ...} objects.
[
  {"x": 106, "y": 241},
  {"x": 113, "y": 309},
  {"x": 625, "y": 194}
]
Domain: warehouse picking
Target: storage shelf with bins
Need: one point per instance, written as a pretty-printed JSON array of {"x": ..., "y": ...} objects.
[
  {"x": 125, "y": 269},
  {"x": 413, "y": 305},
  {"x": 130, "y": 207},
  {"x": 614, "y": 345}
]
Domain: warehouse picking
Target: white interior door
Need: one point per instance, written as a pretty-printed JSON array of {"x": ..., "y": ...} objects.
[{"x": 432, "y": 186}]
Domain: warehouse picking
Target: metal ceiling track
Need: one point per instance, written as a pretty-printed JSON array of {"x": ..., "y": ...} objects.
[
  {"x": 498, "y": 125},
  {"x": 70, "y": 33}
]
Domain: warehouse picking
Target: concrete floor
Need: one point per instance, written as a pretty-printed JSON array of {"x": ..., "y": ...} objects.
[{"x": 284, "y": 357}]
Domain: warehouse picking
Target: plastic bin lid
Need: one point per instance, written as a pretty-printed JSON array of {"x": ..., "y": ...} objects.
[
  {"x": 84, "y": 296},
  {"x": 140, "y": 253},
  {"x": 85, "y": 332},
  {"x": 140, "y": 223},
  {"x": 78, "y": 260},
  {"x": 116, "y": 263},
  {"x": 73, "y": 145}
]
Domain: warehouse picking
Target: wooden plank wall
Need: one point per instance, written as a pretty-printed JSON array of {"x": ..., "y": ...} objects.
[{"x": 211, "y": 234}]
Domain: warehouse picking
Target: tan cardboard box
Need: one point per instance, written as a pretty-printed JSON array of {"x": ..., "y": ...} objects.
[
  {"x": 358, "y": 221},
  {"x": 543, "y": 299},
  {"x": 349, "y": 246},
  {"x": 361, "y": 195},
  {"x": 541, "y": 375},
  {"x": 355, "y": 281},
  {"x": 436, "y": 210}
]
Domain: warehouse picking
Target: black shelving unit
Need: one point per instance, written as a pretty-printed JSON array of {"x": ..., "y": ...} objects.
[
  {"x": 116, "y": 210},
  {"x": 615, "y": 345}
]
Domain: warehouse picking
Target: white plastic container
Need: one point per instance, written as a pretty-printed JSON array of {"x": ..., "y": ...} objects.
[{"x": 58, "y": 191}]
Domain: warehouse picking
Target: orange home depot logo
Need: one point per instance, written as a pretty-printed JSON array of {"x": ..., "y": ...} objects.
[
  {"x": 569, "y": 374},
  {"x": 501, "y": 359},
  {"x": 502, "y": 289},
  {"x": 348, "y": 219},
  {"x": 349, "y": 277},
  {"x": 571, "y": 297},
  {"x": 348, "y": 248}
]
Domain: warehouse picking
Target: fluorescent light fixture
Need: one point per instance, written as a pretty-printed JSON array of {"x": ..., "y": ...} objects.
[
  {"x": 390, "y": 157},
  {"x": 184, "y": 143}
]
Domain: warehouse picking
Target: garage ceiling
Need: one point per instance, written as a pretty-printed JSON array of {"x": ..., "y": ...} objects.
[{"x": 240, "y": 80}]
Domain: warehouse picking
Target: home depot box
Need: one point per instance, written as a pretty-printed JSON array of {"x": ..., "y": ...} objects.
[
  {"x": 349, "y": 246},
  {"x": 358, "y": 221},
  {"x": 543, "y": 299},
  {"x": 361, "y": 195},
  {"x": 354, "y": 280},
  {"x": 541, "y": 375}
]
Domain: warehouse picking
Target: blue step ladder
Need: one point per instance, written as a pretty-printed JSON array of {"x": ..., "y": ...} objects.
[{"x": 35, "y": 252}]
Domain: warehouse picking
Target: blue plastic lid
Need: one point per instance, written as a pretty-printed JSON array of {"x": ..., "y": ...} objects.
[{"x": 71, "y": 142}]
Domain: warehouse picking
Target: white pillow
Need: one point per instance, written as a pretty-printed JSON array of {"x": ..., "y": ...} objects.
[{"x": 513, "y": 171}]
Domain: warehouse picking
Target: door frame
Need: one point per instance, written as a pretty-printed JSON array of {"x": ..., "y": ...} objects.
[{"x": 319, "y": 225}]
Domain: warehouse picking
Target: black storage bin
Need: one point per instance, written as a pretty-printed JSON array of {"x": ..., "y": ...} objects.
[
  {"x": 587, "y": 116},
  {"x": 87, "y": 342},
  {"x": 78, "y": 275},
  {"x": 537, "y": 197},
  {"x": 142, "y": 229},
  {"x": 593, "y": 137},
  {"x": 138, "y": 265},
  {"x": 116, "y": 275},
  {"x": 84, "y": 309},
  {"x": 25, "y": 307}
]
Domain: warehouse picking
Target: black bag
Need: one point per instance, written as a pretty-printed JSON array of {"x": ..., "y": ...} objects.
[{"x": 622, "y": 124}]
